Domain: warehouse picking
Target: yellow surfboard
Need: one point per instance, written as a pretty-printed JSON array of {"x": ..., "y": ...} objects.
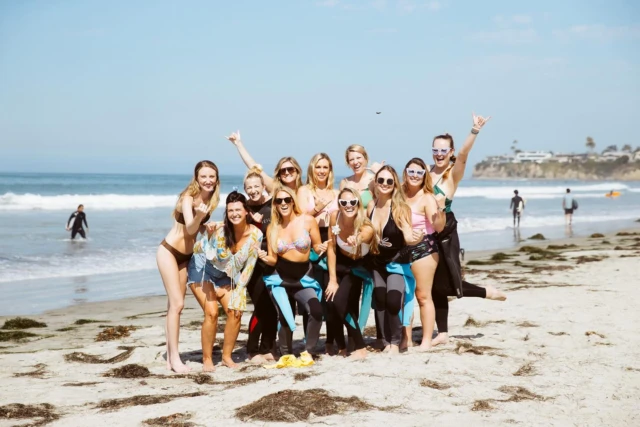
[{"x": 612, "y": 194}]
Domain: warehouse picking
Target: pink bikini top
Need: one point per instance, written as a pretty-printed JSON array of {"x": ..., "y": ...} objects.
[{"x": 420, "y": 222}]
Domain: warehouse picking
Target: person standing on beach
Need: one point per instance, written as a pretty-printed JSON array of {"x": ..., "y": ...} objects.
[
  {"x": 569, "y": 204},
  {"x": 517, "y": 205},
  {"x": 78, "y": 218},
  {"x": 362, "y": 178},
  {"x": 447, "y": 172},
  {"x": 192, "y": 211}
]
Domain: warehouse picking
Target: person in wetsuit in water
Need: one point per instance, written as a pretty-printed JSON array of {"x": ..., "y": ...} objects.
[
  {"x": 517, "y": 205},
  {"x": 78, "y": 218}
]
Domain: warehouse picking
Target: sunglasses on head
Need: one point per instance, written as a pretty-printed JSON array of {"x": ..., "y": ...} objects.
[
  {"x": 285, "y": 200},
  {"x": 415, "y": 172},
  {"x": 288, "y": 170},
  {"x": 344, "y": 203},
  {"x": 382, "y": 180},
  {"x": 440, "y": 151}
]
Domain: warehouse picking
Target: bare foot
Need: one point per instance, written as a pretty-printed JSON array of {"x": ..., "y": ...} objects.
[
  {"x": 359, "y": 354},
  {"x": 394, "y": 350},
  {"x": 208, "y": 366},
  {"x": 495, "y": 294},
  {"x": 342, "y": 352},
  {"x": 258, "y": 359},
  {"x": 178, "y": 367},
  {"x": 386, "y": 349},
  {"x": 269, "y": 357},
  {"x": 442, "y": 338},
  {"x": 424, "y": 347},
  {"x": 229, "y": 363}
]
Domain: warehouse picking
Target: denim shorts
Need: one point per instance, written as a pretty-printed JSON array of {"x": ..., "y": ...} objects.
[{"x": 201, "y": 270}]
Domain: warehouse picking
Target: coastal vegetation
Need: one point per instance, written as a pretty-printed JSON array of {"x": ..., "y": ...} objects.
[{"x": 620, "y": 169}]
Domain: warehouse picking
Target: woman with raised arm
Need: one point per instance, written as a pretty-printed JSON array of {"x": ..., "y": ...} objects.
[
  {"x": 192, "y": 210},
  {"x": 446, "y": 173},
  {"x": 362, "y": 178},
  {"x": 263, "y": 325},
  {"x": 318, "y": 198},
  {"x": 287, "y": 172},
  {"x": 291, "y": 235},
  {"x": 394, "y": 283},
  {"x": 427, "y": 214},
  {"x": 223, "y": 262},
  {"x": 353, "y": 239}
]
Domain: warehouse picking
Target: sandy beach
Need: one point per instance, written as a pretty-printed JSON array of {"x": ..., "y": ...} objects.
[{"x": 562, "y": 350}]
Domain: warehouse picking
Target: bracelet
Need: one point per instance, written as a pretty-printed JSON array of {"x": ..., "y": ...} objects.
[{"x": 475, "y": 131}]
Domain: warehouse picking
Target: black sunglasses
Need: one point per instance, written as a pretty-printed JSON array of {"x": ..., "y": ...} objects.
[
  {"x": 351, "y": 202},
  {"x": 289, "y": 170},
  {"x": 285, "y": 200},
  {"x": 381, "y": 181}
]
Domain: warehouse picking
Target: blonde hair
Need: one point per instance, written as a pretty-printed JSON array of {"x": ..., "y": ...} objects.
[
  {"x": 276, "y": 218},
  {"x": 253, "y": 172},
  {"x": 193, "y": 188},
  {"x": 427, "y": 184},
  {"x": 400, "y": 210},
  {"x": 296, "y": 165},
  {"x": 355, "y": 148},
  {"x": 360, "y": 221},
  {"x": 312, "y": 181}
]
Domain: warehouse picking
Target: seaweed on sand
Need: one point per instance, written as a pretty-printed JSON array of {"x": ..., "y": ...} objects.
[
  {"x": 39, "y": 372},
  {"x": 518, "y": 394},
  {"x": 525, "y": 370},
  {"x": 300, "y": 405},
  {"x": 85, "y": 321},
  {"x": 173, "y": 420},
  {"x": 537, "y": 236},
  {"x": 142, "y": 400},
  {"x": 79, "y": 357},
  {"x": 22, "y": 323},
  {"x": 43, "y": 413},
  {"x": 115, "y": 332},
  {"x": 15, "y": 335},
  {"x": 478, "y": 324},
  {"x": 482, "y": 405},
  {"x": 132, "y": 370},
  {"x": 434, "y": 384}
]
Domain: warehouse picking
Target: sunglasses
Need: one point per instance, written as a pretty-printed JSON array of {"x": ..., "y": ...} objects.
[
  {"x": 289, "y": 170},
  {"x": 285, "y": 200},
  {"x": 440, "y": 151},
  {"x": 382, "y": 180},
  {"x": 345, "y": 203},
  {"x": 416, "y": 172}
]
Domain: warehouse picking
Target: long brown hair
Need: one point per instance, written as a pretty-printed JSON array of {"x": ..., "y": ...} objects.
[
  {"x": 193, "y": 188},
  {"x": 276, "y": 218},
  {"x": 452, "y": 160},
  {"x": 312, "y": 181},
  {"x": 360, "y": 221},
  {"x": 229, "y": 233},
  {"x": 294, "y": 162},
  {"x": 427, "y": 185},
  {"x": 400, "y": 210}
]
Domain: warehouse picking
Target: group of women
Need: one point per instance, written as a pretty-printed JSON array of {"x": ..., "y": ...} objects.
[{"x": 330, "y": 254}]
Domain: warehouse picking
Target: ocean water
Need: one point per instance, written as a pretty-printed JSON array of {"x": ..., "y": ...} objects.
[{"x": 129, "y": 215}]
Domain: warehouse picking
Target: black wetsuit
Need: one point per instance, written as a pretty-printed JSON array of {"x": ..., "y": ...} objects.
[
  {"x": 389, "y": 287},
  {"x": 78, "y": 218},
  {"x": 515, "y": 205},
  {"x": 264, "y": 319}
]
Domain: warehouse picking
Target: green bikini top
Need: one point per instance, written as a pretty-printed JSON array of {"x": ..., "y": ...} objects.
[
  {"x": 366, "y": 197},
  {"x": 447, "y": 202}
]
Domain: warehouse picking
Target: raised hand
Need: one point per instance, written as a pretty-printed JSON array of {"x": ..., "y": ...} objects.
[
  {"x": 417, "y": 235},
  {"x": 202, "y": 210},
  {"x": 375, "y": 167},
  {"x": 257, "y": 218},
  {"x": 352, "y": 240},
  {"x": 479, "y": 121},
  {"x": 212, "y": 226},
  {"x": 322, "y": 248},
  {"x": 234, "y": 138}
]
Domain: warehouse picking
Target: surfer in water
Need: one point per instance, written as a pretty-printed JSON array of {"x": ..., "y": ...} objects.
[
  {"x": 78, "y": 218},
  {"x": 517, "y": 205}
]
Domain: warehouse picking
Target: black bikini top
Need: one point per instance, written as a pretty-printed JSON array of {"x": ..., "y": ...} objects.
[{"x": 180, "y": 217}]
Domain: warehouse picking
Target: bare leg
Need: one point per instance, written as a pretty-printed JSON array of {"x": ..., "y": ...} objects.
[
  {"x": 175, "y": 284},
  {"x": 424, "y": 270},
  {"x": 231, "y": 328},
  {"x": 206, "y": 297}
]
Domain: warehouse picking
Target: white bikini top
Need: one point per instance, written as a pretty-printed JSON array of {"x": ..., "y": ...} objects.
[{"x": 351, "y": 250}]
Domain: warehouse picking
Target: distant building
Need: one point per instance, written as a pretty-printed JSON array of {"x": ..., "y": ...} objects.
[
  {"x": 533, "y": 157},
  {"x": 569, "y": 158},
  {"x": 612, "y": 156}
]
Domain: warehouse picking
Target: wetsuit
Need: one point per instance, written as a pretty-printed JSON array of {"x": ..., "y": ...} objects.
[
  {"x": 264, "y": 319},
  {"x": 517, "y": 210},
  {"x": 78, "y": 218}
]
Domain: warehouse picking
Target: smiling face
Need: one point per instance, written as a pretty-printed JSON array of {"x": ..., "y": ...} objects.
[
  {"x": 348, "y": 204},
  {"x": 385, "y": 183},
  {"x": 444, "y": 152},
  {"x": 322, "y": 170},
  {"x": 207, "y": 179},
  {"x": 254, "y": 188},
  {"x": 357, "y": 162},
  {"x": 236, "y": 213},
  {"x": 412, "y": 175},
  {"x": 284, "y": 203},
  {"x": 288, "y": 173}
]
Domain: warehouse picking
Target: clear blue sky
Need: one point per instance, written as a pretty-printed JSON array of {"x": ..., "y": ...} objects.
[{"x": 153, "y": 86}]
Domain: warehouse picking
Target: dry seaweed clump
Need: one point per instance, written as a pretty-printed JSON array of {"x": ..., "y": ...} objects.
[
  {"x": 475, "y": 323},
  {"x": 43, "y": 413},
  {"x": 537, "y": 236},
  {"x": 142, "y": 400},
  {"x": 22, "y": 323},
  {"x": 39, "y": 372},
  {"x": 15, "y": 335},
  {"x": 434, "y": 384},
  {"x": 482, "y": 405},
  {"x": 627, "y": 233},
  {"x": 85, "y": 321},
  {"x": 79, "y": 357},
  {"x": 300, "y": 405},
  {"x": 115, "y": 332},
  {"x": 129, "y": 371},
  {"x": 589, "y": 333},
  {"x": 300, "y": 376},
  {"x": 561, "y": 247},
  {"x": 584, "y": 259},
  {"x": 525, "y": 370},
  {"x": 518, "y": 394},
  {"x": 466, "y": 347},
  {"x": 596, "y": 235},
  {"x": 173, "y": 420}
]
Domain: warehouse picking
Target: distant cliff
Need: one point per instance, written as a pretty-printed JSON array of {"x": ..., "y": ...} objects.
[{"x": 590, "y": 170}]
